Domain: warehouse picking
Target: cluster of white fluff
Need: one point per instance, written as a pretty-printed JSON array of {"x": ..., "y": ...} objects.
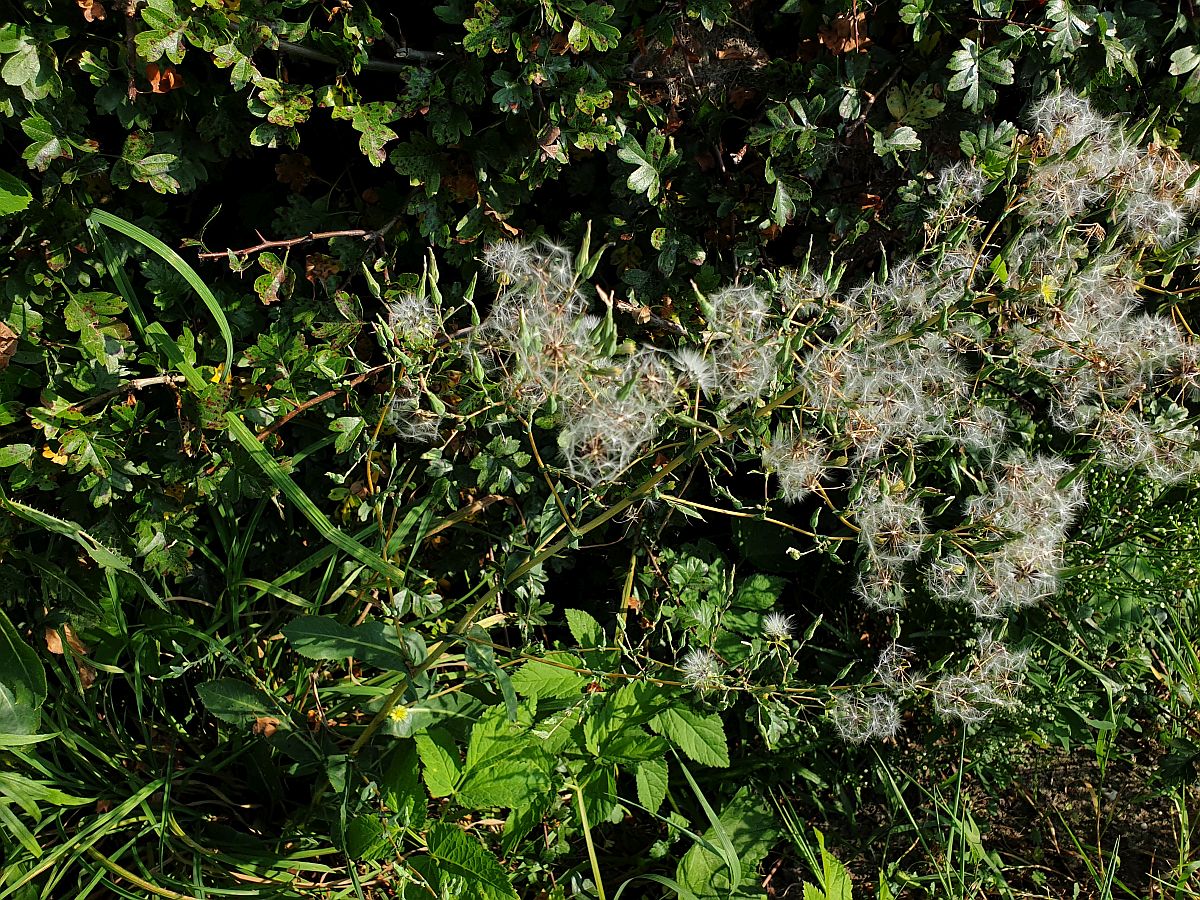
[
  {"x": 898, "y": 369},
  {"x": 1154, "y": 201},
  {"x": 549, "y": 348}
]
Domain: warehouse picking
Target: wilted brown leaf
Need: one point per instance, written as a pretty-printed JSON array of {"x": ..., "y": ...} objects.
[
  {"x": 54, "y": 643},
  {"x": 8, "y": 345},
  {"x": 319, "y": 266},
  {"x": 845, "y": 34},
  {"x": 93, "y": 10},
  {"x": 163, "y": 80},
  {"x": 294, "y": 170},
  {"x": 266, "y": 726}
]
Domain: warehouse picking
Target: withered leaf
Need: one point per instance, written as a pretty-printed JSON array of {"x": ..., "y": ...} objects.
[
  {"x": 266, "y": 725},
  {"x": 845, "y": 34},
  {"x": 93, "y": 10},
  {"x": 8, "y": 344},
  {"x": 294, "y": 170}
]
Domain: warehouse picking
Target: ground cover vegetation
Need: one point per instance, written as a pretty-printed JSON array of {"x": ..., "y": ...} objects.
[{"x": 553, "y": 448}]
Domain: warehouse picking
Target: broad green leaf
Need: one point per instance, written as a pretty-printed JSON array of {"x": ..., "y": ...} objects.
[
  {"x": 651, "y": 779},
  {"x": 700, "y": 736},
  {"x": 552, "y": 678},
  {"x": 759, "y": 591},
  {"x": 439, "y": 762},
  {"x": 477, "y": 872},
  {"x": 367, "y": 838},
  {"x": 591, "y": 26},
  {"x": 234, "y": 701},
  {"x": 14, "y": 194},
  {"x": 323, "y": 637},
  {"x": 627, "y": 706},
  {"x": 585, "y": 629},
  {"x": 400, "y": 785},
  {"x": 505, "y": 765},
  {"x": 747, "y": 829}
]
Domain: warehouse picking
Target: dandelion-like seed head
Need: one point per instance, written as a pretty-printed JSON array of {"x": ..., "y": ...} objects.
[
  {"x": 702, "y": 671},
  {"x": 777, "y": 627}
]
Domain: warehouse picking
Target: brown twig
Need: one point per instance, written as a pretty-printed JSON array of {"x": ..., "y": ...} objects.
[
  {"x": 286, "y": 243},
  {"x": 320, "y": 398},
  {"x": 374, "y": 65},
  {"x": 871, "y": 100}
]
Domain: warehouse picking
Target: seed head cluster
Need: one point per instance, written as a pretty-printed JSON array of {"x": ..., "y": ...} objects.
[{"x": 903, "y": 375}]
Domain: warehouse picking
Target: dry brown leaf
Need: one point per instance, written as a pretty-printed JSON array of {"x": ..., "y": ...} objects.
[
  {"x": 318, "y": 267},
  {"x": 845, "y": 34},
  {"x": 93, "y": 10},
  {"x": 163, "y": 80},
  {"x": 8, "y": 344},
  {"x": 54, "y": 643},
  {"x": 266, "y": 725},
  {"x": 294, "y": 170}
]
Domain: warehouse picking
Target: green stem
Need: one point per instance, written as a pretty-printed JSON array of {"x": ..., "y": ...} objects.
[{"x": 587, "y": 837}]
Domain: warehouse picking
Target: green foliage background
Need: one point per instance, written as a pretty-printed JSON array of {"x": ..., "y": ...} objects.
[{"x": 201, "y": 485}]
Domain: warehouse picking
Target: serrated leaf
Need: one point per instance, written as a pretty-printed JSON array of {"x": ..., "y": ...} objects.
[
  {"x": 550, "y": 679},
  {"x": 748, "y": 830},
  {"x": 701, "y": 736},
  {"x": 476, "y": 871},
  {"x": 651, "y": 778},
  {"x": 439, "y": 762},
  {"x": 585, "y": 629},
  {"x": 234, "y": 701}
]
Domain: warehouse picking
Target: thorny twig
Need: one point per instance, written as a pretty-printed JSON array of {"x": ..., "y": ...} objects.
[{"x": 286, "y": 243}]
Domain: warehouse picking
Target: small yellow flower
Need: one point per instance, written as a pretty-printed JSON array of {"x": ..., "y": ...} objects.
[{"x": 398, "y": 713}]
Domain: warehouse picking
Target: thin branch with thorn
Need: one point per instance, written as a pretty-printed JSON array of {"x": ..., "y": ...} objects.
[{"x": 287, "y": 243}]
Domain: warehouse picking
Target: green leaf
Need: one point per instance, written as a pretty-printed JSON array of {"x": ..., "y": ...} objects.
[
  {"x": 700, "y": 736},
  {"x": 585, "y": 629},
  {"x": 746, "y": 830},
  {"x": 549, "y": 679},
  {"x": 477, "y": 872},
  {"x": 591, "y": 26},
  {"x": 645, "y": 177},
  {"x": 896, "y": 141},
  {"x": 22, "y": 682},
  {"x": 439, "y": 762},
  {"x": 975, "y": 71},
  {"x": 400, "y": 786},
  {"x": 175, "y": 261},
  {"x": 323, "y": 637},
  {"x": 234, "y": 701},
  {"x": 1184, "y": 60},
  {"x": 371, "y": 121},
  {"x": 23, "y": 66},
  {"x": 630, "y": 705},
  {"x": 14, "y": 194},
  {"x": 367, "y": 838},
  {"x": 759, "y": 591},
  {"x": 292, "y": 491},
  {"x": 46, "y": 146},
  {"x": 505, "y": 764},
  {"x": 651, "y": 779}
]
